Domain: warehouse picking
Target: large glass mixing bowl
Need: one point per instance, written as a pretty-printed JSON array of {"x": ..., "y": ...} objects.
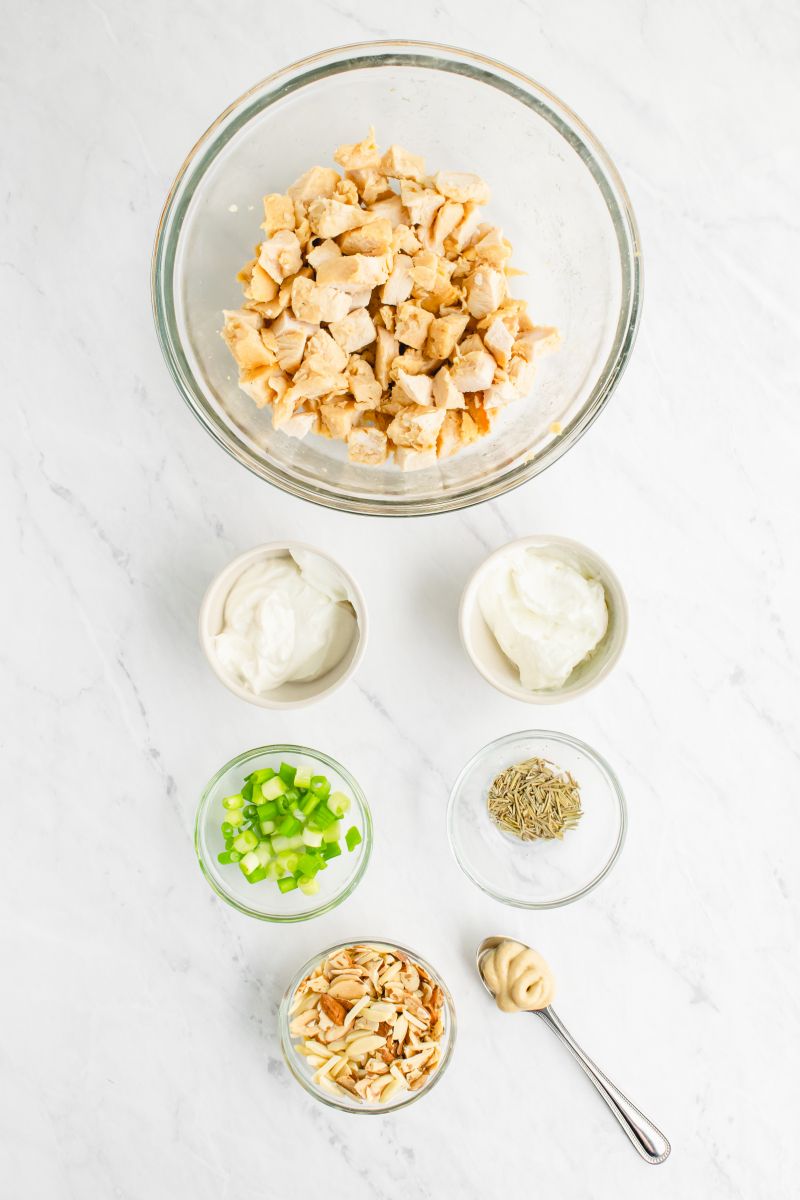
[{"x": 555, "y": 193}]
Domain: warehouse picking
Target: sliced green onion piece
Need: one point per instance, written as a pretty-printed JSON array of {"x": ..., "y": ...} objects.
[
  {"x": 302, "y": 778},
  {"x": 338, "y": 803},
  {"x": 288, "y": 860},
  {"x": 249, "y": 863},
  {"x": 261, "y": 776},
  {"x": 227, "y": 829},
  {"x": 352, "y": 838},
  {"x": 331, "y": 850},
  {"x": 320, "y": 786},
  {"x": 235, "y": 856},
  {"x": 267, "y": 811},
  {"x": 245, "y": 842},
  {"x": 274, "y": 870},
  {"x": 273, "y": 788},
  {"x": 280, "y": 842},
  {"x": 229, "y": 843},
  {"x": 309, "y": 887},
  {"x": 288, "y": 884},
  {"x": 289, "y": 826},
  {"x": 287, "y": 773},
  {"x": 263, "y": 853},
  {"x": 311, "y": 837},
  {"x": 332, "y": 833},
  {"x": 224, "y": 857},
  {"x": 247, "y": 791},
  {"x": 307, "y": 864},
  {"x": 309, "y": 803},
  {"x": 267, "y": 827},
  {"x": 257, "y": 875},
  {"x": 322, "y": 817},
  {"x": 231, "y": 802},
  {"x": 236, "y": 817},
  {"x": 250, "y": 811}
]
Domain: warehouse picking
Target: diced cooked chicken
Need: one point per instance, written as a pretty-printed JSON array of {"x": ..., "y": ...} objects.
[
  {"x": 398, "y": 163},
  {"x": 370, "y": 185},
  {"x": 391, "y": 209},
  {"x": 486, "y": 289},
  {"x": 445, "y": 392},
  {"x": 415, "y": 427},
  {"x": 280, "y": 255},
  {"x": 499, "y": 339},
  {"x": 444, "y": 334},
  {"x": 338, "y": 418},
  {"x": 386, "y": 352},
  {"x": 360, "y": 154},
  {"x": 315, "y": 303},
  {"x": 462, "y": 186},
  {"x": 263, "y": 385},
  {"x": 324, "y": 352},
  {"x": 492, "y": 248},
  {"x": 364, "y": 386},
  {"x": 373, "y": 238},
  {"x": 260, "y": 286},
  {"x": 474, "y": 371},
  {"x": 353, "y": 272},
  {"x": 367, "y": 445},
  {"x": 319, "y": 181},
  {"x": 299, "y": 424},
  {"x": 420, "y": 202},
  {"x": 412, "y": 324},
  {"x": 349, "y": 274},
  {"x": 398, "y": 286},
  {"x": 414, "y": 460},
  {"x": 278, "y": 213},
  {"x": 322, "y": 252},
  {"x": 468, "y": 227},
  {"x": 291, "y": 336},
  {"x": 355, "y": 331},
  {"x": 449, "y": 440},
  {"x": 537, "y": 341},
  {"x": 416, "y": 389},
  {"x": 447, "y": 218},
  {"x": 330, "y": 218},
  {"x": 241, "y": 333}
]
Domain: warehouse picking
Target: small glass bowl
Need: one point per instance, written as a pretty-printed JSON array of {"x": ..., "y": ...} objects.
[
  {"x": 263, "y": 900},
  {"x": 542, "y": 874},
  {"x": 303, "y": 1073},
  {"x": 555, "y": 192}
]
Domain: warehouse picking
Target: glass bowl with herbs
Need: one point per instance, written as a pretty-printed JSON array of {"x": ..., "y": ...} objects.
[
  {"x": 283, "y": 833},
  {"x": 536, "y": 819}
]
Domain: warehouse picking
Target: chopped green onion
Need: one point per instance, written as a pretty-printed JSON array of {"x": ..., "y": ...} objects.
[
  {"x": 257, "y": 875},
  {"x": 247, "y": 791},
  {"x": 331, "y": 850},
  {"x": 311, "y": 837},
  {"x": 332, "y": 833},
  {"x": 231, "y": 802},
  {"x": 302, "y": 778},
  {"x": 227, "y": 829},
  {"x": 288, "y": 884},
  {"x": 262, "y": 853},
  {"x": 287, "y": 773},
  {"x": 249, "y": 863},
  {"x": 267, "y": 811},
  {"x": 261, "y": 776},
  {"x": 236, "y": 817},
  {"x": 352, "y": 838},
  {"x": 235, "y": 856},
  {"x": 273, "y": 788},
  {"x": 288, "y": 860},
  {"x": 245, "y": 842},
  {"x": 307, "y": 864},
  {"x": 338, "y": 803},
  {"x": 229, "y": 843},
  {"x": 267, "y": 827},
  {"x": 321, "y": 818},
  {"x": 250, "y": 811},
  {"x": 309, "y": 887},
  {"x": 309, "y": 803},
  {"x": 320, "y": 786},
  {"x": 224, "y": 857},
  {"x": 289, "y": 826},
  {"x": 280, "y": 842}
]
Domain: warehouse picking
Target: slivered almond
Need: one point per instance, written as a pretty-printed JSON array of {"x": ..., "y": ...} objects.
[{"x": 333, "y": 1009}]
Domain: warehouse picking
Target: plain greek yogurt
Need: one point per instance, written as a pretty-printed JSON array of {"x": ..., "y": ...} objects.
[
  {"x": 545, "y": 615},
  {"x": 286, "y": 619}
]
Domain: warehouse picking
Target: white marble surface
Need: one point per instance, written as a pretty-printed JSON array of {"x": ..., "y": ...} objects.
[{"x": 138, "y": 1049}]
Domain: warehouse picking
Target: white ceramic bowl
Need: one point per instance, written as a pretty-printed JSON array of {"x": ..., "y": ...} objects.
[
  {"x": 288, "y": 695},
  {"x": 499, "y": 671}
]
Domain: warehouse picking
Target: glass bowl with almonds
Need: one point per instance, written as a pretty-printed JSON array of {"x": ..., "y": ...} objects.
[{"x": 367, "y": 1026}]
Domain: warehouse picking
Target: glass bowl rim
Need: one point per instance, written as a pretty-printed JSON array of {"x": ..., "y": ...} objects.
[
  {"x": 615, "y": 788},
  {"x": 290, "y": 1054},
  {"x": 358, "y": 796},
  {"x": 436, "y": 56}
]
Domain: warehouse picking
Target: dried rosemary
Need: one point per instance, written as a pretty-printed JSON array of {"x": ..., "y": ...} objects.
[{"x": 535, "y": 799}]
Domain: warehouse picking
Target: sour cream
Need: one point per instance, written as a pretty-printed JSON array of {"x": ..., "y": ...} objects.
[
  {"x": 285, "y": 620},
  {"x": 544, "y": 614}
]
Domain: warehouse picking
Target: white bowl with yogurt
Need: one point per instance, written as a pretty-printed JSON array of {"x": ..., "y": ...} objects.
[
  {"x": 283, "y": 625},
  {"x": 543, "y": 619}
]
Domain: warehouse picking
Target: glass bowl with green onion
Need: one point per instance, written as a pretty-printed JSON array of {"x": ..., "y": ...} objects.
[{"x": 283, "y": 833}]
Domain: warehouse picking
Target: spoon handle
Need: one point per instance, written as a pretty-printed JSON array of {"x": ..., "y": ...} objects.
[{"x": 647, "y": 1139}]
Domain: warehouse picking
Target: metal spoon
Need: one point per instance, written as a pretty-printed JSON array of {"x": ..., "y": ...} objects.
[{"x": 646, "y": 1138}]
